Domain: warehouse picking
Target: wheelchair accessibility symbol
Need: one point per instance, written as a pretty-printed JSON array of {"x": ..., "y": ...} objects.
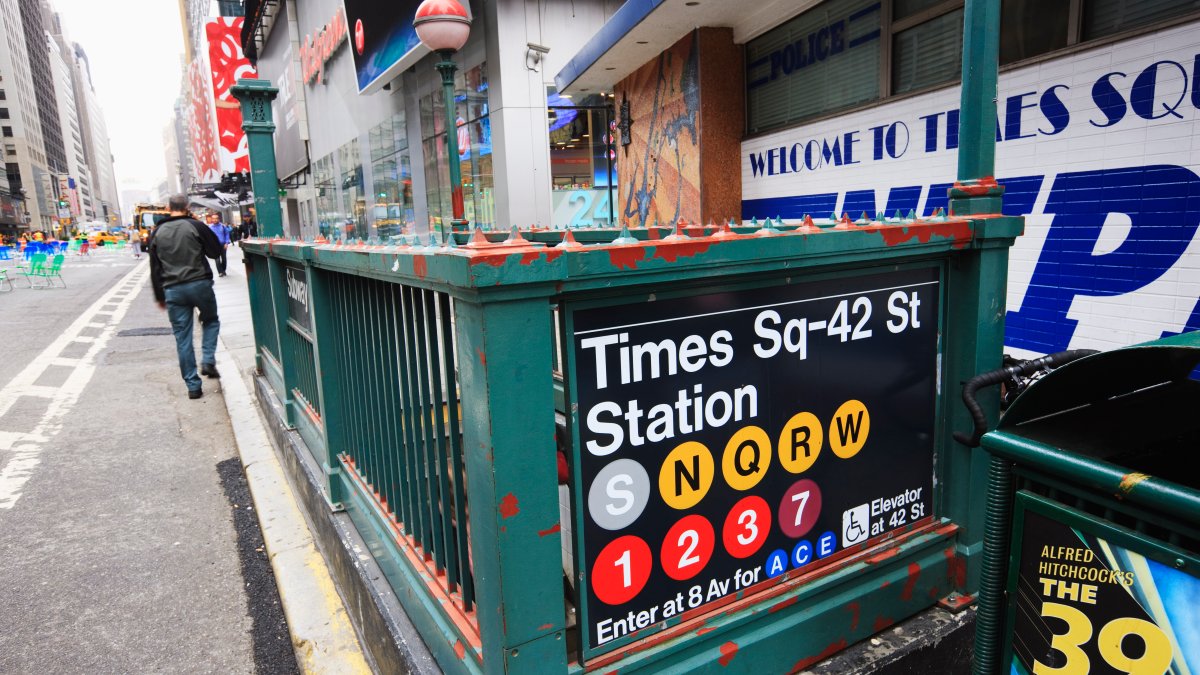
[{"x": 856, "y": 525}]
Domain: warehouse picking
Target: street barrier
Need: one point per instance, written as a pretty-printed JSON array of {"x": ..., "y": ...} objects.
[
  {"x": 652, "y": 449},
  {"x": 1092, "y": 554}
]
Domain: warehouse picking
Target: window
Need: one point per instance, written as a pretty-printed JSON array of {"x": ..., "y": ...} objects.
[
  {"x": 3, "y": 113},
  {"x": 927, "y": 54},
  {"x": 474, "y": 139},
  {"x": 391, "y": 171},
  {"x": 822, "y": 60},
  {"x": 582, "y": 160},
  {"x": 8, "y": 132},
  {"x": 844, "y": 53},
  {"x": 1030, "y": 28},
  {"x": 1102, "y": 18}
]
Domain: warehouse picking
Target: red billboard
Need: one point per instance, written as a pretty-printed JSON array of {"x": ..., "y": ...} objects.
[
  {"x": 228, "y": 64},
  {"x": 200, "y": 125}
]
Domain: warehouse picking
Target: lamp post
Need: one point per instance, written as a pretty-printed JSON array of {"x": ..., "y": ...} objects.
[{"x": 443, "y": 26}]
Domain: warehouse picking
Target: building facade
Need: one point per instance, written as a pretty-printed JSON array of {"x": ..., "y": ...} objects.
[
  {"x": 852, "y": 107},
  {"x": 361, "y": 146},
  {"x": 58, "y": 167}
]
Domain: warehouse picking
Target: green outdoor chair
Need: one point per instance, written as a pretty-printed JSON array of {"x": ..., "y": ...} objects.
[
  {"x": 5, "y": 281},
  {"x": 53, "y": 270},
  {"x": 37, "y": 270}
]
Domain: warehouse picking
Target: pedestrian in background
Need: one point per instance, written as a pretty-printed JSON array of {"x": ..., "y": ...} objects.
[
  {"x": 221, "y": 230},
  {"x": 135, "y": 242},
  {"x": 183, "y": 283}
]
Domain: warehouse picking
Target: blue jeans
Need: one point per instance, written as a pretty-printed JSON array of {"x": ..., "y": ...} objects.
[{"x": 182, "y": 301}]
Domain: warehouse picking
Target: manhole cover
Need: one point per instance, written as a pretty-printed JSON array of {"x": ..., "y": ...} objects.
[{"x": 141, "y": 332}]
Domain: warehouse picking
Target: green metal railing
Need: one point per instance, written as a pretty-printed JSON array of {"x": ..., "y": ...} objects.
[
  {"x": 260, "y": 287},
  {"x": 393, "y": 347},
  {"x": 300, "y": 353},
  {"x": 438, "y": 374}
]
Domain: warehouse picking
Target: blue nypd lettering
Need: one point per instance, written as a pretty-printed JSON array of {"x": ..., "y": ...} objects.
[{"x": 816, "y": 46}]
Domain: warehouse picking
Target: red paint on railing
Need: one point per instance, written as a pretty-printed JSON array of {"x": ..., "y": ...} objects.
[
  {"x": 550, "y": 530},
  {"x": 914, "y": 571},
  {"x": 509, "y": 506},
  {"x": 957, "y": 570},
  {"x": 626, "y": 257},
  {"x": 958, "y": 230},
  {"x": 783, "y": 604},
  {"x": 824, "y": 654},
  {"x": 728, "y": 651},
  {"x": 420, "y": 266},
  {"x": 854, "y": 613},
  {"x": 882, "y": 622},
  {"x": 683, "y": 249},
  {"x": 978, "y": 188},
  {"x": 550, "y": 254}
]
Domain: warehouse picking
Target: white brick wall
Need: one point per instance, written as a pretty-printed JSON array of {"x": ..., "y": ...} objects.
[{"x": 1150, "y": 306}]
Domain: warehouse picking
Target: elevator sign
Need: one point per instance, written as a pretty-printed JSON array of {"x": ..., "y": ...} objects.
[{"x": 725, "y": 442}]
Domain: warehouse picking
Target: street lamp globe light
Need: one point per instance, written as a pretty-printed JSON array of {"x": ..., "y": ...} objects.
[{"x": 443, "y": 26}]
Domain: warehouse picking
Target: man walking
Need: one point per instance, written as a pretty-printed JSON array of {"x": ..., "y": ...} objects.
[
  {"x": 222, "y": 231},
  {"x": 183, "y": 283}
]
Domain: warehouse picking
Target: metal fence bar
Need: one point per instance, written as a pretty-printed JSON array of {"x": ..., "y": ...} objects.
[
  {"x": 393, "y": 447},
  {"x": 417, "y": 528},
  {"x": 438, "y": 410},
  {"x": 429, "y": 400},
  {"x": 421, "y": 403},
  {"x": 458, "y": 471},
  {"x": 375, "y": 404},
  {"x": 402, "y": 408}
]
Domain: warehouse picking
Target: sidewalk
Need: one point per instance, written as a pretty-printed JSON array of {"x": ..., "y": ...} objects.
[{"x": 322, "y": 634}]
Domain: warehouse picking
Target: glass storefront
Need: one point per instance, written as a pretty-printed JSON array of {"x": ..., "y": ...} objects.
[
  {"x": 474, "y": 151},
  {"x": 345, "y": 210},
  {"x": 391, "y": 175},
  {"x": 582, "y": 160}
]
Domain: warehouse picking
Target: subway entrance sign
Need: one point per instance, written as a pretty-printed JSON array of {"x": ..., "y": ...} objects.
[{"x": 728, "y": 441}]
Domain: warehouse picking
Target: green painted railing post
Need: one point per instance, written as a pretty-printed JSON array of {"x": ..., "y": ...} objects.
[
  {"x": 286, "y": 358},
  {"x": 255, "y": 301},
  {"x": 504, "y": 355},
  {"x": 983, "y": 295},
  {"x": 255, "y": 97},
  {"x": 329, "y": 382}
]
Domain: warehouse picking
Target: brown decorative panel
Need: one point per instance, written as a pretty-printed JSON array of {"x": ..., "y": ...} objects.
[{"x": 687, "y": 120}]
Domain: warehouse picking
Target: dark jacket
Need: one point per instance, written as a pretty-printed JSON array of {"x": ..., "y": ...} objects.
[{"x": 177, "y": 253}]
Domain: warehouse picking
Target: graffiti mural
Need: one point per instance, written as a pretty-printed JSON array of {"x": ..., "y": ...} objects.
[{"x": 661, "y": 164}]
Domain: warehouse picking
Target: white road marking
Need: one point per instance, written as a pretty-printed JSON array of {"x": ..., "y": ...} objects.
[{"x": 26, "y": 448}]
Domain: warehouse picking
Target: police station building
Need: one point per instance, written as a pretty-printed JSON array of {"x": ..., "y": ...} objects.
[{"x": 850, "y": 106}]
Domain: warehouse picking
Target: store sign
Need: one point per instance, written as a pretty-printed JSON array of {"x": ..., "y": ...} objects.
[
  {"x": 725, "y": 440},
  {"x": 316, "y": 52},
  {"x": 1115, "y": 226},
  {"x": 297, "y": 292},
  {"x": 1082, "y": 602}
]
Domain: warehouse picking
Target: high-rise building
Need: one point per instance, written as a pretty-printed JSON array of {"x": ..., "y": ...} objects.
[
  {"x": 95, "y": 138},
  {"x": 28, "y": 171},
  {"x": 31, "y": 15},
  {"x": 75, "y": 183}
]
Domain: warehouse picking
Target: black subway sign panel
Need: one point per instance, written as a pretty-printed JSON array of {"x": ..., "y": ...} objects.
[
  {"x": 728, "y": 439},
  {"x": 296, "y": 280}
]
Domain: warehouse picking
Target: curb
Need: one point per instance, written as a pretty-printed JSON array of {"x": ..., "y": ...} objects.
[{"x": 322, "y": 635}]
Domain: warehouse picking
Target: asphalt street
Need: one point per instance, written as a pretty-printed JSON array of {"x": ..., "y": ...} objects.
[{"x": 127, "y": 538}]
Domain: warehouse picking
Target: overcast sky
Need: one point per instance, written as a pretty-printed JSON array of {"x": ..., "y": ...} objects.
[{"x": 134, "y": 48}]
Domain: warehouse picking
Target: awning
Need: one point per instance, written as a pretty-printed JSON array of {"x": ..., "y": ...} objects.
[{"x": 641, "y": 29}]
